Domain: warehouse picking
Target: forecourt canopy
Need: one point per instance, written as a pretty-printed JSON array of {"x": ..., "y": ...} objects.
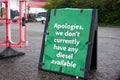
[{"x": 36, "y": 3}]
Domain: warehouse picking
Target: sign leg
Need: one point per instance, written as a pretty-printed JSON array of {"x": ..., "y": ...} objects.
[{"x": 94, "y": 54}]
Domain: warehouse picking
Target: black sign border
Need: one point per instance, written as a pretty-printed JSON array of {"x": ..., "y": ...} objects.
[{"x": 91, "y": 59}]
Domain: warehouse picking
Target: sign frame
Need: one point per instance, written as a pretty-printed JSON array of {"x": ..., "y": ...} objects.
[{"x": 91, "y": 58}]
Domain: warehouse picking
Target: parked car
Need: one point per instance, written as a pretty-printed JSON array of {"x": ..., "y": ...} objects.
[
  {"x": 16, "y": 19},
  {"x": 40, "y": 19}
]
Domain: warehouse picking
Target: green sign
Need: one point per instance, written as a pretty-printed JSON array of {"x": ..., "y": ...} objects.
[{"x": 66, "y": 42}]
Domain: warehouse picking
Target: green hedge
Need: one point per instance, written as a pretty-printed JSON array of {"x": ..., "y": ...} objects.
[{"x": 108, "y": 10}]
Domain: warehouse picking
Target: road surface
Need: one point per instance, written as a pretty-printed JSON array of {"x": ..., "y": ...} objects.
[{"x": 26, "y": 67}]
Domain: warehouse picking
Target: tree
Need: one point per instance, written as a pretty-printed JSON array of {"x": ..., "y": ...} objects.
[
  {"x": 108, "y": 10},
  {"x": 74, "y": 4},
  {"x": 54, "y": 4}
]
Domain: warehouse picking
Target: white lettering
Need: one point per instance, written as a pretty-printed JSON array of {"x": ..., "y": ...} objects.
[
  {"x": 70, "y": 49},
  {"x": 68, "y": 26},
  {"x": 59, "y": 48},
  {"x": 66, "y": 41},
  {"x": 66, "y": 56},
  {"x": 64, "y": 63}
]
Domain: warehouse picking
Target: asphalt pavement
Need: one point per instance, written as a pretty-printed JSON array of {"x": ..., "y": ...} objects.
[{"x": 26, "y": 67}]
